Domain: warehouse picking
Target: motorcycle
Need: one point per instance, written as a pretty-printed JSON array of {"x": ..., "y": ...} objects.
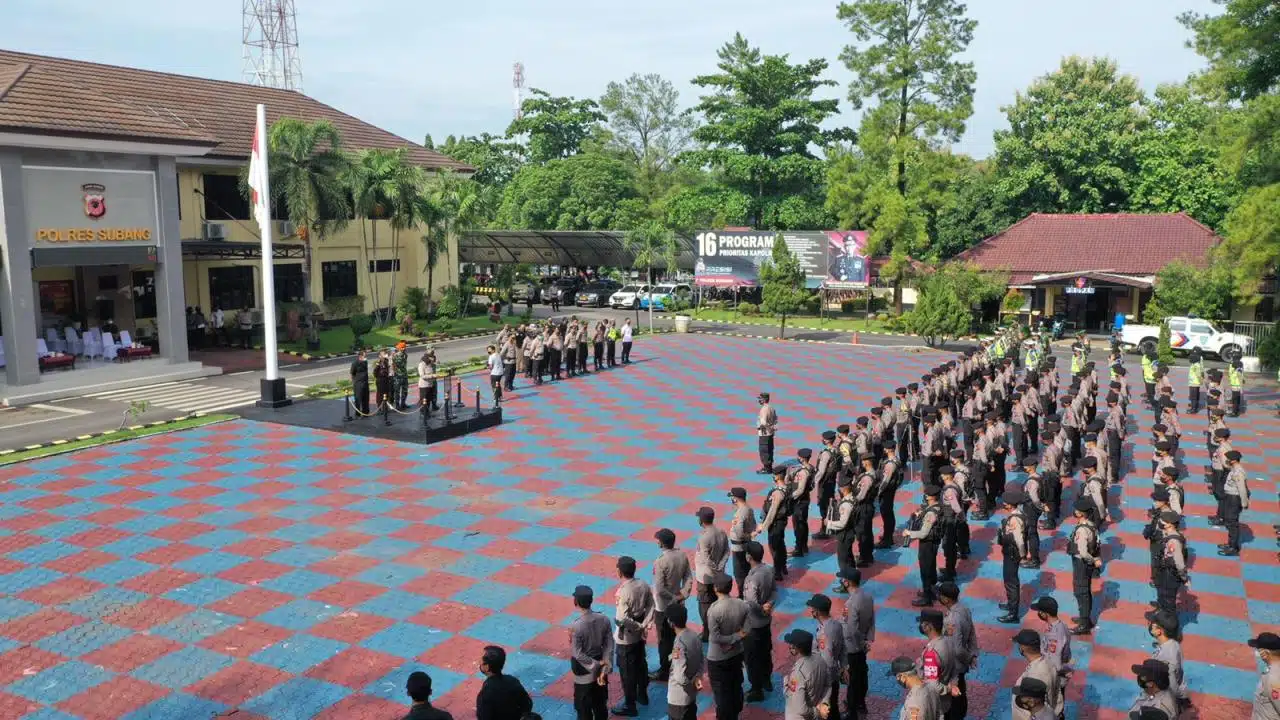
[{"x": 1059, "y": 328}]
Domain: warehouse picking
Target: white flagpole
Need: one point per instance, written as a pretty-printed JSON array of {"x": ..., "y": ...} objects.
[{"x": 262, "y": 183}]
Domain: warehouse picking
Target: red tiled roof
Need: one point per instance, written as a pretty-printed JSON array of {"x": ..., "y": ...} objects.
[
  {"x": 69, "y": 97},
  {"x": 1123, "y": 244}
]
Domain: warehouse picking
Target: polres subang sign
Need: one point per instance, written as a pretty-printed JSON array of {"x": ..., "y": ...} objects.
[{"x": 832, "y": 259}]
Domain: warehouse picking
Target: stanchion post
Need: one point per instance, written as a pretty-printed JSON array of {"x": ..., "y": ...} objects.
[
  {"x": 457, "y": 386},
  {"x": 386, "y": 412},
  {"x": 346, "y": 407},
  {"x": 477, "y": 402}
]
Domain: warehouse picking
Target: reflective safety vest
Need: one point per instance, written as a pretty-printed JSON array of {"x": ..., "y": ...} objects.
[
  {"x": 1235, "y": 377},
  {"x": 1148, "y": 370},
  {"x": 1195, "y": 374}
]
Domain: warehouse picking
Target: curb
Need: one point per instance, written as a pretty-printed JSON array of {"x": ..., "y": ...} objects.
[
  {"x": 103, "y": 434},
  {"x": 806, "y": 327}
]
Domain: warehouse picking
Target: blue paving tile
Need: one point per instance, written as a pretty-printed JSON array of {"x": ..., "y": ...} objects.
[
  {"x": 59, "y": 682},
  {"x": 12, "y": 608},
  {"x": 183, "y": 667},
  {"x": 217, "y": 539},
  {"x": 299, "y": 615},
  {"x": 301, "y": 533},
  {"x": 28, "y": 578},
  {"x": 53, "y": 531},
  {"x": 299, "y": 583},
  {"x": 539, "y": 534},
  {"x": 300, "y": 556},
  {"x": 396, "y": 604},
  {"x": 204, "y": 591},
  {"x": 508, "y": 630},
  {"x": 177, "y": 705},
  {"x": 195, "y": 626},
  {"x": 300, "y": 698},
  {"x": 490, "y": 595},
  {"x": 298, "y": 653},
  {"x": 211, "y": 563},
  {"x": 83, "y": 639},
  {"x": 391, "y": 575},
  {"x": 391, "y": 686},
  {"x": 405, "y": 640},
  {"x": 47, "y": 552},
  {"x": 385, "y": 548},
  {"x": 145, "y": 524},
  {"x": 557, "y": 557},
  {"x": 105, "y": 602}
]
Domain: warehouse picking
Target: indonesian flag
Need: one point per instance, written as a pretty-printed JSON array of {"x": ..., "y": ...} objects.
[{"x": 258, "y": 170}]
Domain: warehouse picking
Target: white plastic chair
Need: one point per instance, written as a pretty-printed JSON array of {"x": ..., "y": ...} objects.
[
  {"x": 42, "y": 350},
  {"x": 74, "y": 344},
  {"x": 1, "y": 351},
  {"x": 109, "y": 347},
  {"x": 126, "y": 340},
  {"x": 92, "y": 344},
  {"x": 55, "y": 342}
]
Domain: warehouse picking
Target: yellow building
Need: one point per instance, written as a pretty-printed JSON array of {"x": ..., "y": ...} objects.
[{"x": 120, "y": 209}]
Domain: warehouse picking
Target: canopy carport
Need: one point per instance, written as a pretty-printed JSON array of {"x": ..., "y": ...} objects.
[{"x": 566, "y": 248}]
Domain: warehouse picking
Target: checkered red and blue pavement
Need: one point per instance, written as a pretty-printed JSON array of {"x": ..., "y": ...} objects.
[{"x": 254, "y": 570}]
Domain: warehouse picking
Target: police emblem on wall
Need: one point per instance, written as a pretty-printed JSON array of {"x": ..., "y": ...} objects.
[{"x": 95, "y": 200}]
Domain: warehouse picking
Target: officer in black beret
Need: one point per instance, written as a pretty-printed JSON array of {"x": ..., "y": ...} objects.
[
  {"x": 1012, "y": 538},
  {"x": 825, "y": 478},
  {"x": 926, "y": 528}
]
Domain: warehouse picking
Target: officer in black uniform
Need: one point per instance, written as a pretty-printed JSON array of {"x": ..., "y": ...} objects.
[
  {"x": 952, "y": 517},
  {"x": 1012, "y": 539},
  {"x": 360, "y": 383},
  {"x": 865, "y": 494},
  {"x": 803, "y": 478},
  {"x": 1086, "y": 563},
  {"x": 1172, "y": 574},
  {"x": 926, "y": 529},
  {"x": 890, "y": 481}
]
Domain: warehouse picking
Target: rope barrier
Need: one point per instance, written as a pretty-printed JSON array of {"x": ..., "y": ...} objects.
[{"x": 351, "y": 401}]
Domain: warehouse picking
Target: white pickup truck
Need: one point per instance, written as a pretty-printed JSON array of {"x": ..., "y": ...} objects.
[{"x": 1188, "y": 334}]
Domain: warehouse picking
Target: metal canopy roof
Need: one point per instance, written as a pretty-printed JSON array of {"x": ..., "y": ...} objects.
[
  {"x": 577, "y": 248},
  {"x": 226, "y": 250}
]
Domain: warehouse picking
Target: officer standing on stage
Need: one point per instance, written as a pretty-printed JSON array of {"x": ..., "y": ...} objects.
[
  {"x": 825, "y": 477},
  {"x": 803, "y": 478},
  {"x": 758, "y": 644},
  {"x": 591, "y": 648},
  {"x": 766, "y": 427},
  {"x": 890, "y": 481},
  {"x": 926, "y": 529},
  {"x": 672, "y": 583},
  {"x": 1086, "y": 564},
  {"x": 360, "y": 383},
  {"x": 709, "y": 561},
  {"x": 1012, "y": 539},
  {"x": 742, "y": 529}
]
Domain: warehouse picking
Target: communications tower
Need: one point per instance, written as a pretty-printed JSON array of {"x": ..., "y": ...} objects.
[
  {"x": 517, "y": 83},
  {"x": 270, "y": 32}
]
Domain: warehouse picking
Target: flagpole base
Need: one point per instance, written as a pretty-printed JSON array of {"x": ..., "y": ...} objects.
[{"x": 274, "y": 394}]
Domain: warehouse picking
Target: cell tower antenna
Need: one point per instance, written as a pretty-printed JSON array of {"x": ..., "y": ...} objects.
[
  {"x": 517, "y": 84},
  {"x": 270, "y": 42}
]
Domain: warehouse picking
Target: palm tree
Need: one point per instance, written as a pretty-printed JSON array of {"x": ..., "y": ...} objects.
[
  {"x": 408, "y": 206},
  {"x": 651, "y": 243},
  {"x": 375, "y": 178},
  {"x": 307, "y": 167},
  {"x": 460, "y": 204}
]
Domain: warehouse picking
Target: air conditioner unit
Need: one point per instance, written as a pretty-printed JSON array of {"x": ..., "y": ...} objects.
[
  {"x": 215, "y": 231},
  {"x": 285, "y": 228}
]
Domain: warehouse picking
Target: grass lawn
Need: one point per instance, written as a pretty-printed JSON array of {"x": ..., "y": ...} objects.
[
  {"x": 338, "y": 340},
  {"x": 797, "y": 321},
  {"x": 128, "y": 433}
]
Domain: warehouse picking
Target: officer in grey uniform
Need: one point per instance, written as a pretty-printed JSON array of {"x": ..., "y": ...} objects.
[
  {"x": 1164, "y": 632},
  {"x": 685, "y": 662},
  {"x": 808, "y": 685},
  {"x": 1235, "y": 499},
  {"x": 1153, "y": 678},
  {"x": 829, "y": 642},
  {"x": 921, "y": 702},
  {"x": 937, "y": 661},
  {"x": 840, "y": 524},
  {"x": 709, "y": 561},
  {"x": 1055, "y": 644},
  {"x": 633, "y": 613},
  {"x": 1031, "y": 696},
  {"x": 591, "y": 647},
  {"x": 957, "y": 626},
  {"x": 672, "y": 583},
  {"x": 926, "y": 529},
  {"x": 1266, "y": 696},
  {"x": 859, "y": 633},
  {"x": 1039, "y": 667},
  {"x": 741, "y": 529},
  {"x": 759, "y": 593},
  {"x": 727, "y": 627}
]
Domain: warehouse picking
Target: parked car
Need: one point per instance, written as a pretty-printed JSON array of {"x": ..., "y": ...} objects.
[
  {"x": 564, "y": 290},
  {"x": 628, "y": 296},
  {"x": 523, "y": 289},
  {"x": 1188, "y": 333},
  {"x": 596, "y": 294},
  {"x": 662, "y": 295}
]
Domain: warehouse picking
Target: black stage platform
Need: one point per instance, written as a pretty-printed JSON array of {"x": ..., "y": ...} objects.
[{"x": 329, "y": 415}]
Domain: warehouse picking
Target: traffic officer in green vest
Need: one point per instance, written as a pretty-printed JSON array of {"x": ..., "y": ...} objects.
[
  {"x": 1077, "y": 357},
  {"x": 1235, "y": 377},
  {"x": 1195, "y": 379},
  {"x": 1149, "y": 375}
]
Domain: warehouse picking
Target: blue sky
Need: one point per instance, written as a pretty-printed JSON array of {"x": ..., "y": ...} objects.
[{"x": 419, "y": 66}]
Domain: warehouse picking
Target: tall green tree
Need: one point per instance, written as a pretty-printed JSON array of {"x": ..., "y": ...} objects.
[
  {"x": 782, "y": 284},
  {"x": 762, "y": 131},
  {"x": 906, "y": 61},
  {"x": 459, "y": 204},
  {"x": 377, "y": 181},
  {"x": 495, "y": 158},
  {"x": 651, "y": 244},
  {"x": 1182, "y": 289},
  {"x": 973, "y": 211},
  {"x": 1242, "y": 46},
  {"x": 1179, "y": 160},
  {"x": 1073, "y": 140},
  {"x": 647, "y": 126},
  {"x": 590, "y": 191},
  {"x": 556, "y": 127},
  {"x": 307, "y": 166}
]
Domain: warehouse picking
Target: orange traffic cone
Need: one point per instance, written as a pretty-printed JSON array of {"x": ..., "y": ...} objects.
[{"x": 855, "y": 337}]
